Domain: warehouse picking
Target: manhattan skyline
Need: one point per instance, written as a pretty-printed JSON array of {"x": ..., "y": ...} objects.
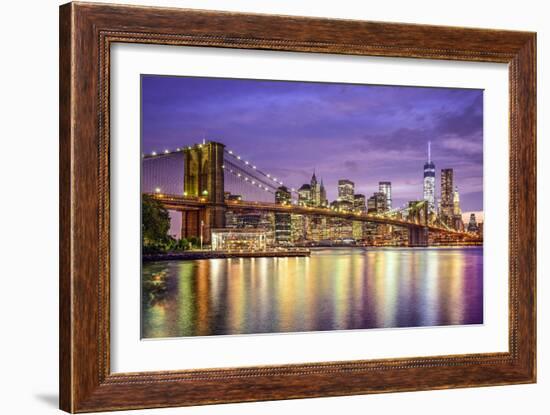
[{"x": 364, "y": 133}]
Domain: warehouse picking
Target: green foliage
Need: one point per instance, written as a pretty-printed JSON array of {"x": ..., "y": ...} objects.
[
  {"x": 194, "y": 241},
  {"x": 155, "y": 223},
  {"x": 182, "y": 245}
]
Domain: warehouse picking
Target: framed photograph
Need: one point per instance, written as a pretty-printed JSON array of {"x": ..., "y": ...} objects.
[{"x": 259, "y": 207}]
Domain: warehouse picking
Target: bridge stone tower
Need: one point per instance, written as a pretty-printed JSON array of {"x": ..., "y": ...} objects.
[
  {"x": 418, "y": 212},
  {"x": 204, "y": 179}
]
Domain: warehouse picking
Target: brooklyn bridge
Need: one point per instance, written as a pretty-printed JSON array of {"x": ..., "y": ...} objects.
[{"x": 206, "y": 181}]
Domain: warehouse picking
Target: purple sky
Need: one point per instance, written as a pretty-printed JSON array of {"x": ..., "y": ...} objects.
[{"x": 364, "y": 133}]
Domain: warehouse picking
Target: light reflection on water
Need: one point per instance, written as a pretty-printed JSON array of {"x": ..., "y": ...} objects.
[{"x": 334, "y": 289}]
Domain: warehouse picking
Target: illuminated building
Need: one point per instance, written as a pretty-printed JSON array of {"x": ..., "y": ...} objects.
[
  {"x": 315, "y": 228},
  {"x": 238, "y": 239},
  {"x": 315, "y": 197},
  {"x": 304, "y": 195},
  {"x": 359, "y": 203},
  {"x": 313, "y": 194},
  {"x": 377, "y": 203},
  {"x": 297, "y": 228},
  {"x": 283, "y": 196},
  {"x": 385, "y": 188},
  {"x": 283, "y": 227},
  {"x": 429, "y": 181},
  {"x": 231, "y": 219},
  {"x": 357, "y": 230},
  {"x": 346, "y": 190},
  {"x": 341, "y": 228},
  {"x": 456, "y": 203},
  {"x": 342, "y": 205},
  {"x": 447, "y": 195},
  {"x": 472, "y": 224},
  {"x": 323, "y": 193}
]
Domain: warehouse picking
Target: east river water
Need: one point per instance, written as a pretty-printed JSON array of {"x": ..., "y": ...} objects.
[{"x": 333, "y": 289}]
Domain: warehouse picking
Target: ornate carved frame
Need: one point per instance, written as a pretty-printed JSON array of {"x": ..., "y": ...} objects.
[{"x": 86, "y": 33}]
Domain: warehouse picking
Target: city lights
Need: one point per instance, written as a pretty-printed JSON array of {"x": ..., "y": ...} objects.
[{"x": 366, "y": 219}]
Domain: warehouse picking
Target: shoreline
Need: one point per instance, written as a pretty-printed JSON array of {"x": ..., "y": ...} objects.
[{"x": 195, "y": 255}]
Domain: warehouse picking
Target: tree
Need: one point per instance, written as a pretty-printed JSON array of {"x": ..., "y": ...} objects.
[
  {"x": 155, "y": 222},
  {"x": 194, "y": 241}
]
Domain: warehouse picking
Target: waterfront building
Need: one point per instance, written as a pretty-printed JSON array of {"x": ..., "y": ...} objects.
[
  {"x": 297, "y": 228},
  {"x": 342, "y": 229},
  {"x": 283, "y": 229},
  {"x": 385, "y": 188},
  {"x": 225, "y": 239},
  {"x": 429, "y": 181},
  {"x": 447, "y": 195},
  {"x": 231, "y": 219},
  {"x": 316, "y": 228},
  {"x": 346, "y": 190},
  {"x": 267, "y": 223},
  {"x": 357, "y": 230},
  {"x": 248, "y": 219},
  {"x": 283, "y": 225}
]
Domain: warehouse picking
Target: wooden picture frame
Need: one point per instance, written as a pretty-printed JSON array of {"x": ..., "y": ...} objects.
[{"x": 86, "y": 33}]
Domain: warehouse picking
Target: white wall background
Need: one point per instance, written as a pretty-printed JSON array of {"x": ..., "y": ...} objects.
[{"x": 29, "y": 231}]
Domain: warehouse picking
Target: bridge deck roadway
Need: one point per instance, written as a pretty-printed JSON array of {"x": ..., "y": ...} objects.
[{"x": 182, "y": 203}]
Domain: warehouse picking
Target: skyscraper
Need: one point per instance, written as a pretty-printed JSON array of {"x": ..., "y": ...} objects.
[
  {"x": 457, "y": 212},
  {"x": 472, "y": 225},
  {"x": 429, "y": 181},
  {"x": 359, "y": 203},
  {"x": 447, "y": 195},
  {"x": 283, "y": 196},
  {"x": 377, "y": 203},
  {"x": 283, "y": 224},
  {"x": 346, "y": 190},
  {"x": 323, "y": 195},
  {"x": 315, "y": 191},
  {"x": 456, "y": 203},
  {"x": 304, "y": 195},
  {"x": 385, "y": 187}
]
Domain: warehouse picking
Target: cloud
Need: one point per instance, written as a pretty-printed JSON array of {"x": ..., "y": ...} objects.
[
  {"x": 464, "y": 122},
  {"x": 463, "y": 145},
  {"x": 361, "y": 132}
]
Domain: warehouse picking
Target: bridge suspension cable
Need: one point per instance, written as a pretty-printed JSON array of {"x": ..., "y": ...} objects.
[
  {"x": 259, "y": 172},
  {"x": 237, "y": 172}
]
